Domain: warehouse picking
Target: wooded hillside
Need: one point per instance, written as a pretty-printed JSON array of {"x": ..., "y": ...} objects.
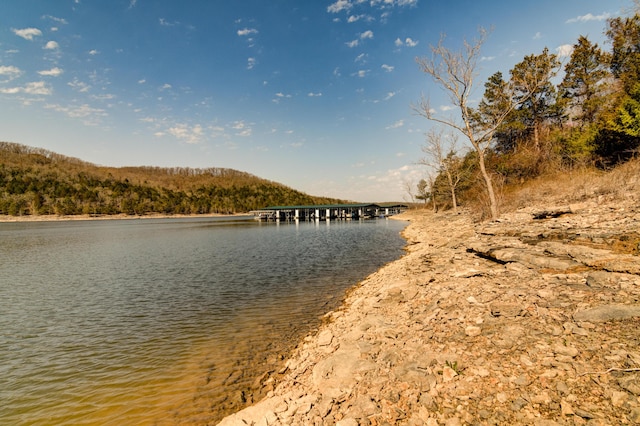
[
  {"x": 35, "y": 181},
  {"x": 548, "y": 116}
]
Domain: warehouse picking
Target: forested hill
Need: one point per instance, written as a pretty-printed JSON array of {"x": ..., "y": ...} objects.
[{"x": 35, "y": 181}]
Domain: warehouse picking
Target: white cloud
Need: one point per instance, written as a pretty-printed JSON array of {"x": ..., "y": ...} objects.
[
  {"x": 411, "y": 42},
  {"x": 105, "y": 97},
  {"x": 280, "y": 96},
  {"x": 165, "y": 23},
  {"x": 387, "y": 68},
  {"x": 487, "y": 58},
  {"x": 90, "y": 116},
  {"x": 53, "y": 72},
  {"x": 53, "y": 18},
  {"x": 190, "y": 135},
  {"x": 360, "y": 57},
  {"x": 565, "y": 50},
  {"x": 362, "y": 73},
  {"x": 51, "y": 45},
  {"x": 366, "y": 34},
  {"x": 445, "y": 108},
  {"x": 395, "y": 125},
  {"x": 142, "y": 81},
  {"x": 93, "y": 52},
  {"x": 353, "y": 43},
  {"x": 27, "y": 33},
  {"x": 79, "y": 85},
  {"x": 242, "y": 128},
  {"x": 251, "y": 62},
  {"x": 389, "y": 96},
  {"x": 537, "y": 36},
  {"x": 314, "y": 95},
  {"x": 589, "y": 17},
  {"x": 10, "y": 72},
  {"x": 166, "y": 86},
  {"x": 347, "y": 5},
  {"x": 247, "y": 32},
  {"x": 339, "y": 6},
  {"x": 33, "y": 88}
]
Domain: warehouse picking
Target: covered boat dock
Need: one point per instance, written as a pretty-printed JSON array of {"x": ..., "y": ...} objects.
[{"x": 326, "y": 212}]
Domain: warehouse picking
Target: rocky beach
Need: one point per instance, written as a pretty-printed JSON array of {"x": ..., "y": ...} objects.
[{"x": 530, "y": 319}]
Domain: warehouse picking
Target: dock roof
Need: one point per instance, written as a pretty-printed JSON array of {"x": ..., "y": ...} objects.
[{"x": 322, "y": 206}]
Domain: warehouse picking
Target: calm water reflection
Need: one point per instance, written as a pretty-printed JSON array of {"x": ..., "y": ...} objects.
[{"x": 160, "y": 321}]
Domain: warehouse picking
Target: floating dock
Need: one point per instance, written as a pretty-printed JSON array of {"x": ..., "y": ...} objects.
[{"x": 327, "y": 212}]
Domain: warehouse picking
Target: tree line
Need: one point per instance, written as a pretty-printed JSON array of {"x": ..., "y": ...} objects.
[
  {"x": 34, "y": 181},
  {"x": 543, "y": 118}
]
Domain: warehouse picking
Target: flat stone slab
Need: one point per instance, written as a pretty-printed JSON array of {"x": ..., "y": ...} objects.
[{"x": 607, "y": 313}]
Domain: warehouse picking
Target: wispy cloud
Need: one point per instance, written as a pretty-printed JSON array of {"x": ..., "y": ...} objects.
[
  {"x": 33, "y": 88},
  {"x": 346, "y": 5},
  {"x": 314, "y": 95},
  {"x": 186, "y": 133},
  {"x": 395, "y": 125},
  {"x": 387, "y": 68},
  {"x": 242, "y": 129},
  {"x": 90, "y": 116},
  {"x": 589, "y": 17},
  {"x": 27, "y": 33},
  {"x": 409, "y": 42},
  {"x": 55, "y": 19},
  {"x": 79, "y": 86},
  {"x": 251, "y": 63},
  {"x": 164, "y": 23},
  {"x": 280, "y": 96},
  {"x": 366, "y": 34},
  {"x": 53, "y": 72},
  {"x": 247, "y": 32},
  {"x": 339, "y": 6},
  {"x": 9, "y": 73}
]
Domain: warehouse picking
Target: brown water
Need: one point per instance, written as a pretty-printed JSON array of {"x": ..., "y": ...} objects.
[{"x": 164, "y": 321}]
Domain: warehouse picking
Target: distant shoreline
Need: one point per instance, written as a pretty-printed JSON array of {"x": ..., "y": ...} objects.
[{"x": 79, "y": 217}]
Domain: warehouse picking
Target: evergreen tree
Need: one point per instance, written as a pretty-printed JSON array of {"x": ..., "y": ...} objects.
[
  {"x": 583, "y": 83},
  {"x": 535, "y": 93}
]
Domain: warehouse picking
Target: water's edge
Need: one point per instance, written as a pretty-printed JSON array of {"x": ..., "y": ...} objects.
[{"x": 267, "y": 379}]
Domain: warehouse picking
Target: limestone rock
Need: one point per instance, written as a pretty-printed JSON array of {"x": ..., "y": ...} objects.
[{"x": 607, "y": 313}]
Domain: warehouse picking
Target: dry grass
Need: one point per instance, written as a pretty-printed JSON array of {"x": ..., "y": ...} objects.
[{"x": 574, "y": 186}]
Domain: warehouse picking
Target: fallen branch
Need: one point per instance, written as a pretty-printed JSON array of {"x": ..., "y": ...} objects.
[{"x": 624, "y": 370}]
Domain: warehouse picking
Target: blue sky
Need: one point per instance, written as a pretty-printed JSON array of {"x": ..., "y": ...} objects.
[{"x": 314, "y": 94}]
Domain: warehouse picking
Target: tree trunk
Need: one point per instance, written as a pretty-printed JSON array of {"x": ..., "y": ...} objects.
[
  {"x": 493, "y": 204},
  {"x": 452, "y": 187}
]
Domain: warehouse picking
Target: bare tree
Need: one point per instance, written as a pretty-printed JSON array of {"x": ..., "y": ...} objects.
[
  {"x": 408, "y": 185},
  {"x": 441, "y": 155},
  {"x": 454, "y": 72}
]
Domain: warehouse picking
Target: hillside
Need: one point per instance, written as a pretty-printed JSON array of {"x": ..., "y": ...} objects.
[{"x": 35, "y": 181}]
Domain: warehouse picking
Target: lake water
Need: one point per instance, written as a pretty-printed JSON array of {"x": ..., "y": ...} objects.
[{"x": 165, "y": 321}]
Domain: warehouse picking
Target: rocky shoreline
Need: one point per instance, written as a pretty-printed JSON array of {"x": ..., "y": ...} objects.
[{"x": 531, "y": 319}]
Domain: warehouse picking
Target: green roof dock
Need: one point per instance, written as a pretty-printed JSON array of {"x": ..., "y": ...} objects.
[{"x": 327, "y": 212}]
